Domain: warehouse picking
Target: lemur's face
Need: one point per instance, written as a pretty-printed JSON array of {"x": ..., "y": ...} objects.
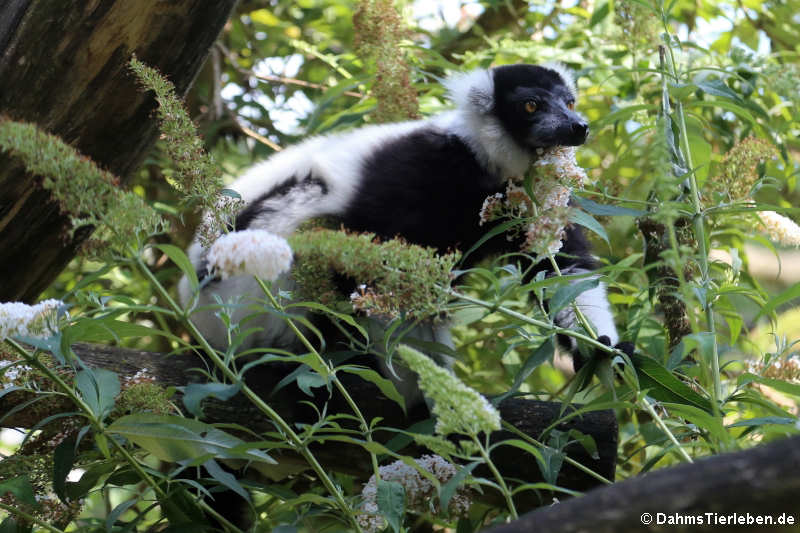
[{"x": 536, "y": 106}]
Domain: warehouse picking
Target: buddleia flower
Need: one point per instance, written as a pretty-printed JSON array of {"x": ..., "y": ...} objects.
[
  {"x": 22, "y": 320},
  {"x": 457, "y": 407},
  {"x": 779, "y": 228},
  {"x": 553, "y": 176},
  {"x": 419, "y": 490},
  {"x": 255, "y": 252}
]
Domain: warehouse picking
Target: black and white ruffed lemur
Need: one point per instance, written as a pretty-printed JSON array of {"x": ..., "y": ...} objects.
[{"x": 424, "y": 181}]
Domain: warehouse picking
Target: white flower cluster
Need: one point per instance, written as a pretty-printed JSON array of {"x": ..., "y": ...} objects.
[
  {"x": 256, "y": 252},
  {"x": 786, "y": 369},
  {"x": 457, "y": 407},
  {"x": 555, "y": 174},
  {"x": 9, "y": 376},
  {"x": 779, "y": 228},
  {"x": 420, "y": 491},
  {"x": 560, "y": 164},
  {"x": 22, "y": 320}
]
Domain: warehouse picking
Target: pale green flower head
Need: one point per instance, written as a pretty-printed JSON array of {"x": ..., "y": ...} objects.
[{"x": 458, "y": 408}]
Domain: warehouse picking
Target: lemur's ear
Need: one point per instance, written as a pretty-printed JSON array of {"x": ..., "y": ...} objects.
[
  {"x": 472, "y": 91},
  {"x": 566, "y": 75}
]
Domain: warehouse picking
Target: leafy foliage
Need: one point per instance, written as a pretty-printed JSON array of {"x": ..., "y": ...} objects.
[
  {"x": 89, "y": 195},
  {"x": 693, "y": 111},
  {"x": 394, "y": 277}
]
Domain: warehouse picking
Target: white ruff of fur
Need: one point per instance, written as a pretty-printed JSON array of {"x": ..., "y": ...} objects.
[
  {"x": 473, "y": 94},
  {"x": 566, "y": 76}
]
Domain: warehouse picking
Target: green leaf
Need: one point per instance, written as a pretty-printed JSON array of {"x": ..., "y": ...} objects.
[
  {"x": 542, "y": 354},
  {"x": 195, "y": 393},
  {"x": 777, "y": 384},
  {"x": 307, "y": 379},
  {"x": 448, "y": 489},
  {"x": 385, "y": 385},
  {"x": 467, "y": 315},
  {"x": 21, "y": 488},
  {"x": 621, "y": 114},
  {"x": 391, "y": 500},
  {"x": 348, "y": 319},
  {"x": 90, "y": 477},
  {"x": 63, "y": 459},
  {"x": 761, "y": 421},
  {"x": 789, "y": 294},
  {"x": 9, "y": 525},
  {"x": 701, "y": 419},
  {"x": 182, "y": 261},
  {"x": 567, "y": 294},
  {"x": 605, "y": 210},
  {"x": 180, "y": 508},
  {"x": 717, "y": 87},
  {"x": 664, "y": 386},
  {"x": 98, "y": 387},
  {"x": 226, "y": 479},
  {"x": 599, "y": 14},
  {"x": 173, "y": 438},
  {"x": 582, "y": 218},
  {"x": 587, "y": 441},
  {"x": 550, "y": 464},
  {"x": 525, "y": 446},
  {"x": 114, "y": 515},
  {"x": 496, "y": 230},
  {"x": 108, "y": 329}
]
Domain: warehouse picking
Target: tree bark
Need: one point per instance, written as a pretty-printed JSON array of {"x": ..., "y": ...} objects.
[
  {"x": 763, "y": 481},
  {"x": 529, "y": 416},
  {"x": 64, "y": 66}
]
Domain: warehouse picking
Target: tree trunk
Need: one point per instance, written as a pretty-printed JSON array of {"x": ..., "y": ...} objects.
[
  {"x": 528, "y": 416},
  {"x": 64, "y": 66},
  {"x": 723, "y": 493}
]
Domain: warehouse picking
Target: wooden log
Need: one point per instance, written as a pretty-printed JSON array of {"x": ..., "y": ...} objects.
[
  {"x": 720, "y": 493},
  {"x": 529, "y": 416},
  {"x": 64, "y": 66}
]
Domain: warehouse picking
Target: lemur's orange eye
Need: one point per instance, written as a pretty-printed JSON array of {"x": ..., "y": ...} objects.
[
  {"x": 530, "y": 106},
  {"x": 571, "y": 106}
]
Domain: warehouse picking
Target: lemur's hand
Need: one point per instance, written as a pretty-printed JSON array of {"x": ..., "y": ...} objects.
[{"x": 626, "y": 347}]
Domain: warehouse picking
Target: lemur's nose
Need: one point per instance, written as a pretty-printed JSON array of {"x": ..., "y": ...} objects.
[{"x": 580, "y": 129}]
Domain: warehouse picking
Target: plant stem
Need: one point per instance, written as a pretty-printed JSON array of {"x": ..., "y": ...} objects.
[
  {"x": 575, "y": 307},
  {"x": 55, "y": 378},
  {"x": 567, "y": 459},
  {"x": 577, "y": 335},
  {"x": 339, "y": 385},
  {"x": 29, "y": 518},
  {"x": 256, "y": 400},
  {"x": 668, "y": 62},
  {"x": 534, "y": 322},
  {"x": 502, "y": 482},
  {"x": 97, "y": 424}
]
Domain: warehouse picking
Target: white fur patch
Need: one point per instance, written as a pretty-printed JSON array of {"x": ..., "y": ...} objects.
[
  {"x": 566, "y": 75},
  {"x": 495, "y": 149},
  {"x": 335, "y": 159},
  {"x": 594, "y": 306},
  {"x": 472, "y": 91}
]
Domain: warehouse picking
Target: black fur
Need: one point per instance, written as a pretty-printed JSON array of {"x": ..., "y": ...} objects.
[
  {"x": 256, "y": 208},
  {"x": 429, "y": 188},
  {"x": 553, "y": 123}
]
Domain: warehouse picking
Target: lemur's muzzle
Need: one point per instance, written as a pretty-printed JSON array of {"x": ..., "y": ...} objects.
[{"x": 579, "y": 131}]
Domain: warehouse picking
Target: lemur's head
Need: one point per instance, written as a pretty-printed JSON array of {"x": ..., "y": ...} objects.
[{"x": 534, "y": 104}]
